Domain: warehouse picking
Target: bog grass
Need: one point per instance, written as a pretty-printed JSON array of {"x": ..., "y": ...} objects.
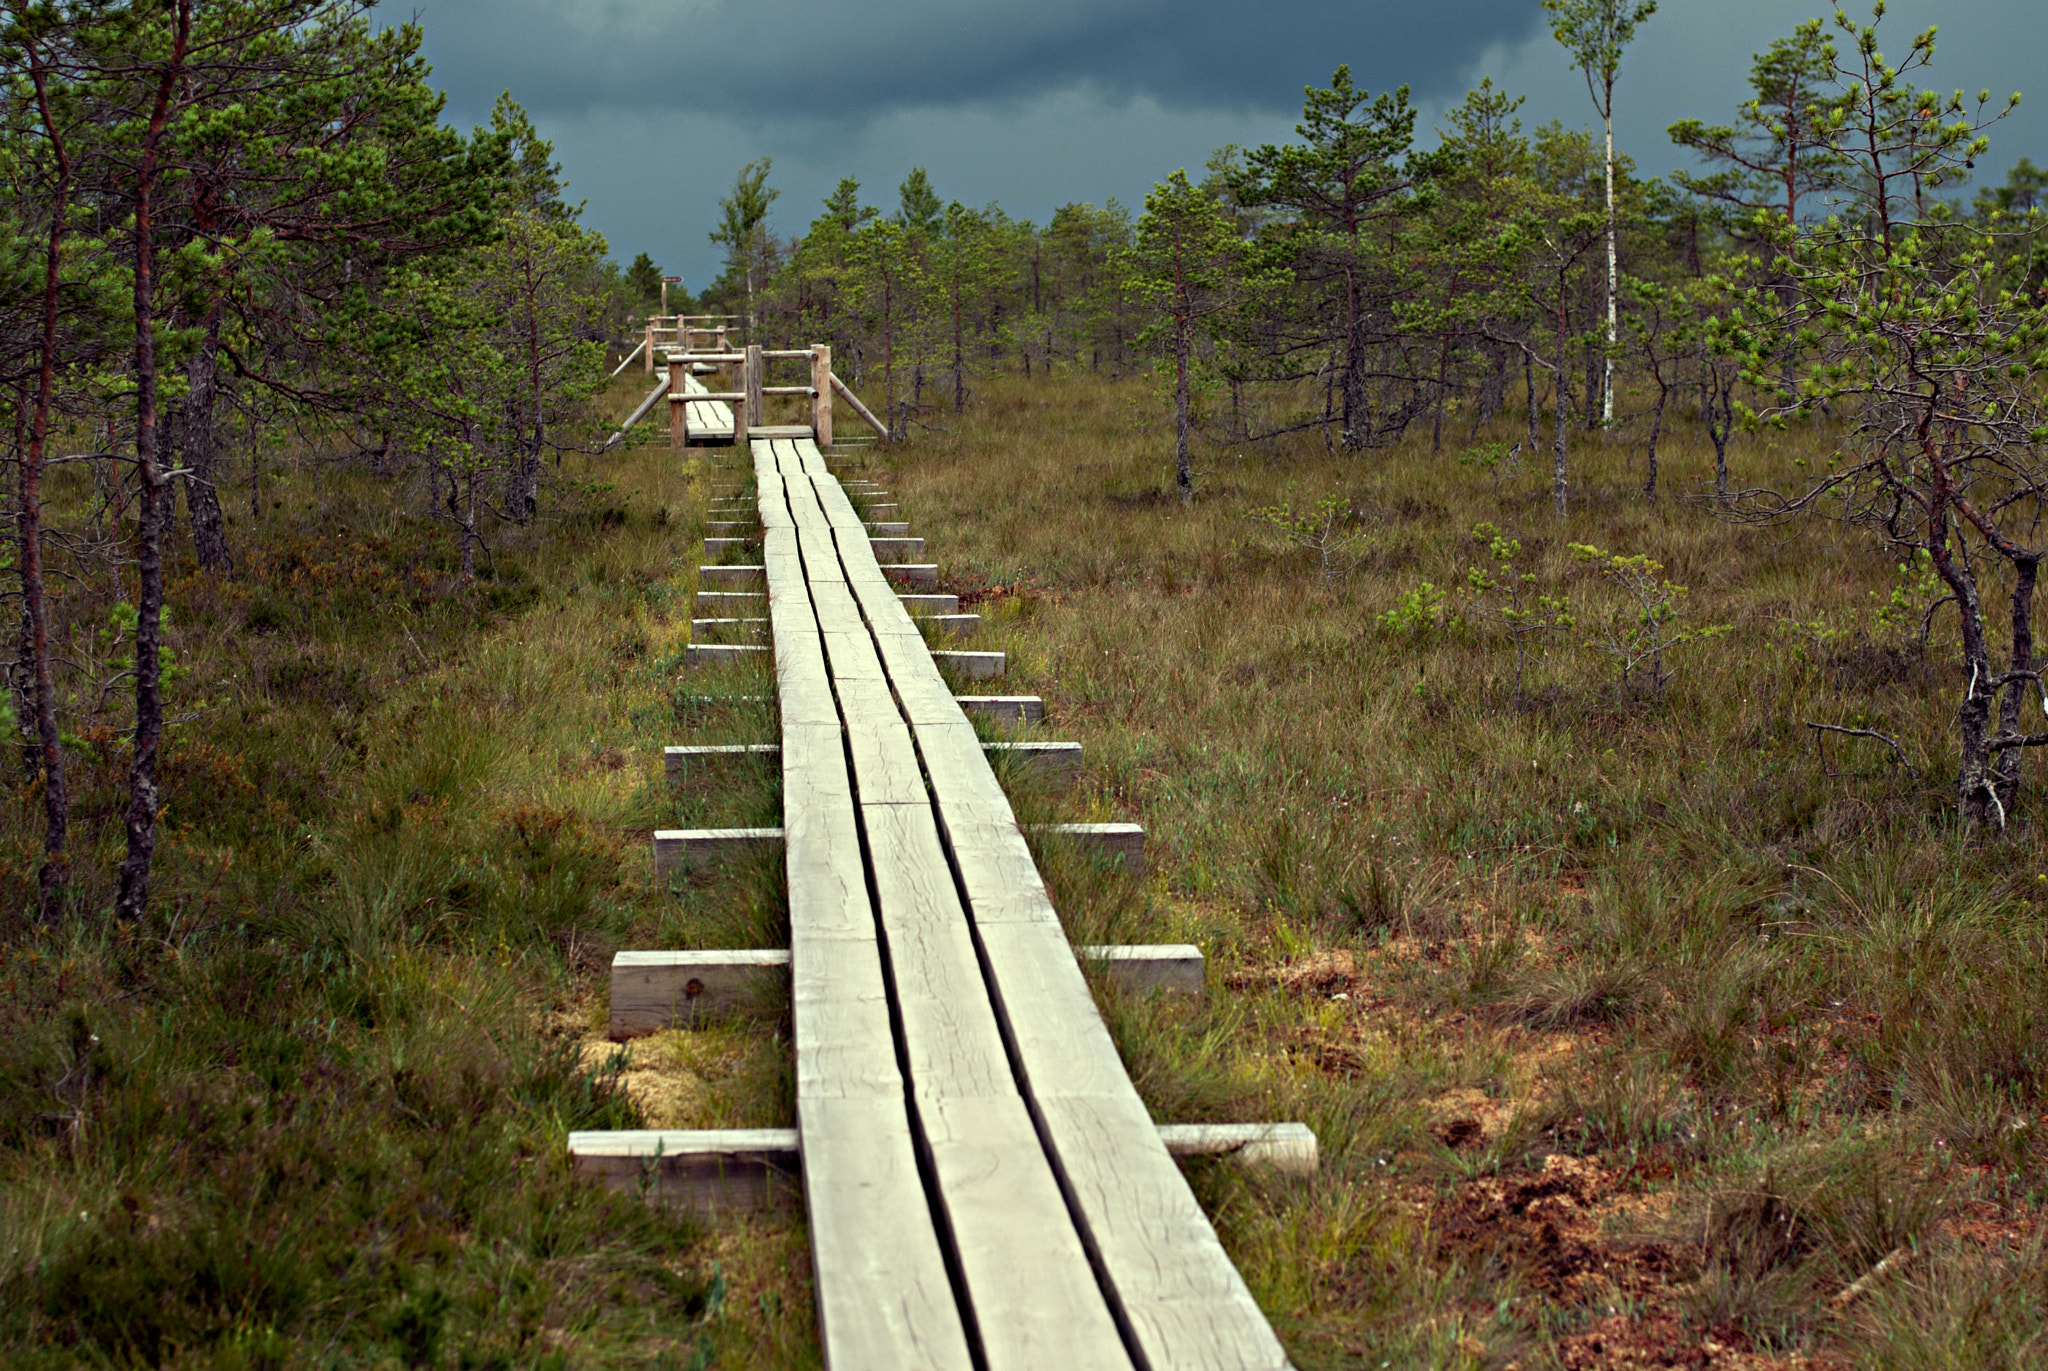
[
  {"x": 1634, "y": 1017},
  {"x": 1635, "y": 1020}
]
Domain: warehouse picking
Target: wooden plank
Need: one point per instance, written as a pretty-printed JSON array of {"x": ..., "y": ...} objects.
[
  {"x": 884, "y": 761},
  {"x": 951, "y": 1043},
  {"x": 1148, "y": 968},
  {"x": 677, "y": 849},
  {"x": 651, "y": 991},
  {"x": 975, "y": 666},
  {"x": 883, "y": 1293},
  {"x": 715, "y": 1174},
  {"x": 1185, "y": 1302},
  {"x": 678, "y": 763},
  {"x": 888, "y": 530},
  {"x": 1289, "y": 1148},
  {"x": 722, "y": 654},
  {"x": 931, "y": 604},
  {"x": 1122, "y": 844},
  {"x": 729, "y": 577},
  {"x": 1013, "y": 709},
  {"x": 884, "y": 1298},
  {"x": 922, "y": 575},
  {"x": 730, "y": 601},
  {"x": 897, "y": 549},
  {"x": 1050, "y": 763}
]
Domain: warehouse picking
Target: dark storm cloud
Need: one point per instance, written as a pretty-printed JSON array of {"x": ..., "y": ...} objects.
[{"x": 847, "y": 63}]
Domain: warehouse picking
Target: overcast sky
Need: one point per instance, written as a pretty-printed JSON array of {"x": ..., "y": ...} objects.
[{"x": 654, "y": 104}]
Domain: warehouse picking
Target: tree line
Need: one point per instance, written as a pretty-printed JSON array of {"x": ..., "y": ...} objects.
[
  {"x": 231, "y": 218},
  {"x": 1819, "y": 268}
]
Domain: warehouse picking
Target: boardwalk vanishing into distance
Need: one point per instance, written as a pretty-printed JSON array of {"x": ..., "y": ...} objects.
[{"x": 982, "y": 1184}]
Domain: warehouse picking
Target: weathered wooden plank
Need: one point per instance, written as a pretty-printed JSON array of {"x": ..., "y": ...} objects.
[
  {"x": 713, "y": 1173},
  {"x": 680, "y": 762},
  {"x": 888, "y": 529},
  {"x": 884, "y": 1298},
  {"x": 677, "y": 849},
  {"x": 651, "y": 991},
  {"x": 728, "y": 630},
  {"x": 1289, "y": 1148},
  {"x": 1036, "y": 1300},
  {"x": 722, "y": 654},
  {"x": 729, "y": 577},
  {"x": 931, "y": 604},
  {"x": 1013, "y": 709},
  {"x": 884, "y": 761},
  {"x": 922, "y": 575},
  {"x": 1122, "y": 844},
  {"x": 1184, "y": 1300},
  {"x": 1050, "y": 763},
  {"x": 730, "y": 601},
  {"x": 883, "y": 1294},
  {"x": 1148, "y": 968},
  {"x": 975, "y": 666},
  {"x": 897, "y": 549},
  {"x": 951, "y": 1043}
]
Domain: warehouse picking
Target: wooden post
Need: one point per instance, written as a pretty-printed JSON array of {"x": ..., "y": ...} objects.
[
  {"x": 756, "y": 412},
  {"x": 821, "y": 402},
  {"x": 742, "y": 410},
  {"x": 678, "y": 415},
  {"x": 650, "y": 345}
]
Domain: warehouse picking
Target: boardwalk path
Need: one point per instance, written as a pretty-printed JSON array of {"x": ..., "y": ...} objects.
[{"x": 984, "y": 1187}]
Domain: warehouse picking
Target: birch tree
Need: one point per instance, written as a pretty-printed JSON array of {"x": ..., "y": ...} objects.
[{"x": 1594, "y": 32}]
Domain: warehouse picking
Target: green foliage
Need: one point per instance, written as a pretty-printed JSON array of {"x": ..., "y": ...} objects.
[
  {"x": 1638, "y": 633},
  {"x": 1323, "y": 530},
  {"x": 1418, "y": 612},
  {"x": 1506, "y": 593}
]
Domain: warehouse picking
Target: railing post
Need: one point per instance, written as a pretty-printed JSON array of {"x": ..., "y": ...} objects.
[
  {"x": 821, "y": 386},
  {"x": 678, "y": 415},
  {"x": 756, "y": 407},
  {"x": 650, "y": 345}
]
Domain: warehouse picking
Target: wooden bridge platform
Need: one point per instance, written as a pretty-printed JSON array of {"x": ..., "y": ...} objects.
[{"x": 983, "y": 1186}]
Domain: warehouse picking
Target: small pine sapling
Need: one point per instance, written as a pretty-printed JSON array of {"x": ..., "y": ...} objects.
[
  {"x": 1497, "y": 460},
  {"x": 1646, "y": 627},
  {"x": 1323, "y": 530},
  {"x": 1506, "y": 594},
  {"x": 1418, "y": 611}
]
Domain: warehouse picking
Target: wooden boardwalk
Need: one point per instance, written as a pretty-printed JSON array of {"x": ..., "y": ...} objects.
[{"x": 983, "y": 1185}]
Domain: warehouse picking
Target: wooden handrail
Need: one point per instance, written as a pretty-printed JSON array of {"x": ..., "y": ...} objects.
[{"x": 846, "y": 393}]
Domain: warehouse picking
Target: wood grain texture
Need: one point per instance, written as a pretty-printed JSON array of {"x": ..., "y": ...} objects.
[
  {"x": 884, "y": 1299},
  {"x": 1185, "y": 1300},
  {"x": 951, "y": 1041},
  {"x": 1036, "y": 1300},
  {"x": 651, "y": 991}
]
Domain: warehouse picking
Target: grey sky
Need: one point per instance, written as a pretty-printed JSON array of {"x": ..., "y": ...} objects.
[{"x": 653, "y": 104}]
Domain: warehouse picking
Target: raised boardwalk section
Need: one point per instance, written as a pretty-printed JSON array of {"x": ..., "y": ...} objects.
[{"x": 983, "y": 1185}]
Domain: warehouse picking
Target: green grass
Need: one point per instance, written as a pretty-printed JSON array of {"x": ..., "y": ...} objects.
[
  {"x": 1629, "y": 1020},
  {"x": 312, "y": 1111},
  {"x": 1668, "y": 937}
]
